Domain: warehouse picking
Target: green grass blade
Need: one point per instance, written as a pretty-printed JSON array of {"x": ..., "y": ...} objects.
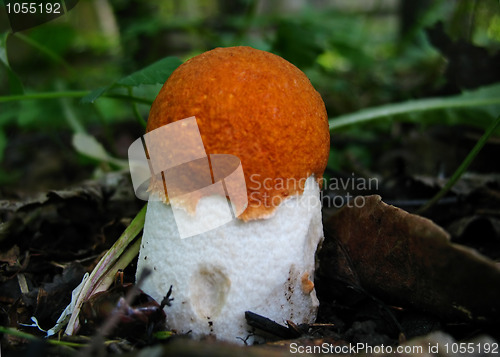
[
  {"x": 463, "y": 166},
  {"x": 21, "y": 334},
  {"x": 413, "y": 106}
]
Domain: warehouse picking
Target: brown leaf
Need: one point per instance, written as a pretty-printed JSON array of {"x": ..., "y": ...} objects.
[{"x": 408, "y": 260}]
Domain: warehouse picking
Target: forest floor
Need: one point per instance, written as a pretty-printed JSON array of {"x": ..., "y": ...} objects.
[{"x": 385, "y": 276}]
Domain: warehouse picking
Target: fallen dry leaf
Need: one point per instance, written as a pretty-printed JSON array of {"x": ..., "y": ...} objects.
[{"x": 408, "y": 260}]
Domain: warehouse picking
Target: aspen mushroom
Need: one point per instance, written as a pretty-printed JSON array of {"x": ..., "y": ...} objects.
[{"x": 263, "y": 110}]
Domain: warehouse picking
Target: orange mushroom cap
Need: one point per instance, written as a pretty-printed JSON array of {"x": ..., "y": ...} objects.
[{"x": 257, "y": 106}]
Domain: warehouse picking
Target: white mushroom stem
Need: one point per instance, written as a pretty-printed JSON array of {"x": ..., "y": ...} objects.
[{"x": 265, "y": 266}]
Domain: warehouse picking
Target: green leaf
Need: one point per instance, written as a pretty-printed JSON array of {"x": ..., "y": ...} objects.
[
  {"x": 155, "y": 73},
  {"x": 88, "y": 145},
  {"x": 15, "y": 84}
]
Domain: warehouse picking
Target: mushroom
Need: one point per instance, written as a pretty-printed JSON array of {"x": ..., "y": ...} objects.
[{"x": 258, "y": 107}]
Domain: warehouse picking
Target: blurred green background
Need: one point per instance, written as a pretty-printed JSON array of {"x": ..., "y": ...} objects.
[{"x": 73, "y": 91}]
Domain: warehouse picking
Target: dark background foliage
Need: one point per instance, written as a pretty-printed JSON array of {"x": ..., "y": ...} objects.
[{"x": 409, "y": 86}]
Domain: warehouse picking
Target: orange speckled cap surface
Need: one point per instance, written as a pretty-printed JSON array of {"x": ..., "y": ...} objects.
[{"x": 257, "y": 106}]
